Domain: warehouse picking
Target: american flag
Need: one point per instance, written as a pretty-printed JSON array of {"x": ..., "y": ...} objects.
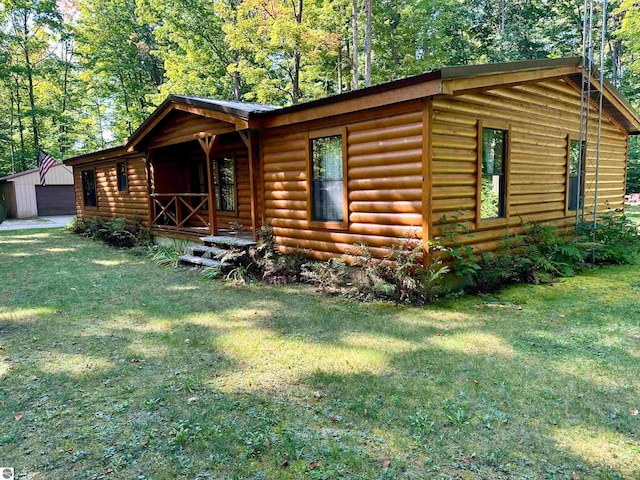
[{"x": 45, "y": 162}]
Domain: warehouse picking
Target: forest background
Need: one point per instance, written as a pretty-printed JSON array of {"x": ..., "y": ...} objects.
[{"x": 81, "y": 75}]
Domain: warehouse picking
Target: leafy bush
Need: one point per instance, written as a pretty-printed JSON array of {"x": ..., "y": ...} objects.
[
  {"x": 614, "y": 239},
  {"x": 543, "y": 253},
  {"x": 115, "y": 232}
]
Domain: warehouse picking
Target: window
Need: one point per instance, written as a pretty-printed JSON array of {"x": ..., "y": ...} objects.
[
  {"x": 121, "y": 170},
  {"x": 224, "y": 179},
  {"x": 89, "y": 188},
  {"x": 576, "y": 175},
  {"x": 493, "y": 180},
  {"x": 327, "y": 194}
]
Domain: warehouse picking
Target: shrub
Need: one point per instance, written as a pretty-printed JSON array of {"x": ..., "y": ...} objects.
[
  {"x": 115, "y": 232},
  {"x": 403, "y": 274},
  {"x": 262, "y": 262},
  {"x": 331, "y": 276},
  {"x": 614, "y": 239},
  {"x": 542, "y": 253}
]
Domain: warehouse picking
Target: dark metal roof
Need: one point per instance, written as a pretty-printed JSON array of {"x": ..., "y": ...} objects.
[
  {"x": 98, "y": 155},
  {"x": 467, "y": 71},
  {"x": 445, "y": 73},
  {"x": 237, "y": 109}
]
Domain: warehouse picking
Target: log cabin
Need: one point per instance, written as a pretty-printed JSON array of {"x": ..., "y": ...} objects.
[{"x": 490, "y": 147}]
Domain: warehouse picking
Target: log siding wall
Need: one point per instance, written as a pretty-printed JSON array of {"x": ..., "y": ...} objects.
[
  {"x": 541, "y": 118},
  {"x": 384, "y": 184},
  {"x": 110, "y": 202}
]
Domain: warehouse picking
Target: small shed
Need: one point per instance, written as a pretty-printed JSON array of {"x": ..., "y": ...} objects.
[{"x": 26, "y": 197}]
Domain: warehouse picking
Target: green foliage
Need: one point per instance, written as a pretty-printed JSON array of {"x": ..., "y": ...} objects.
[
  {"x": 633, "y": 168},
  {"x": 165, "y": 256},
  {"x": 115, "y": 232},
  {"x": 404, "y": 274},
  {"x": 543, "y": 253},
  {"x": 614, "y": 239}
]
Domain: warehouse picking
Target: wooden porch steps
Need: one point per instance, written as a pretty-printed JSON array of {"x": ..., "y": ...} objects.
[
  {"x": 207, "y": 252},
  {"x": 227, "y": 241},
  {"x": 214, "y": 246},
  {"x": 200, "y": 261}
]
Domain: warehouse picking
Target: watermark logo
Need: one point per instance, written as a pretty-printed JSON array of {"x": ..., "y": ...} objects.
[{"x": 6, "y": 473}]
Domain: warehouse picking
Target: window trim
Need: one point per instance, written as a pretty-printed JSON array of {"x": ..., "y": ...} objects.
[
  {"x": 493, "y": 222},
  {"x": 328, "y": 225},
  {"x": 581, "y": 177},
  {"x": 216, "y": 171},
  {"x": 95, "y": 180},
  {"x": 126, "y": 176}
]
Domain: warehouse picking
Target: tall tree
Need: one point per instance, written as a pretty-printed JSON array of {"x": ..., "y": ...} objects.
[
  {"x": 367, "y": 43},
  {"x": 279, "y": 47},
  {"x": 117, "y": 51}
]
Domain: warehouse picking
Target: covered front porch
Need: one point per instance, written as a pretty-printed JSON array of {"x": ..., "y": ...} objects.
[{"x": 202, "y": 173}]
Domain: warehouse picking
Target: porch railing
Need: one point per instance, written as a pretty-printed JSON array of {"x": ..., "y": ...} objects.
[{"x": 180, "y": 211}]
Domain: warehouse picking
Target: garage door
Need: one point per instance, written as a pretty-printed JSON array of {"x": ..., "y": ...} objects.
[{"x": 55, "y": 200}]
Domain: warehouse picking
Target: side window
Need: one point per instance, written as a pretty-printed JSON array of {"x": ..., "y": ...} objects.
[
  {"x": 89, "y": 188},
  {"x": 225, "y": 184},
  {"x": 327, "y": 185},
  {"x": 121, "y": 170},
  {"x": 576, "y": 175},
  {"x": 493, "y": 181}
]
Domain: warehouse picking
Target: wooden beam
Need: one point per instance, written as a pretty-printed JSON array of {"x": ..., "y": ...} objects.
[
  {"x": 203, "y": 112},
  {"x": 460, "y": 86},
  {"x": 366, "y": 102},
  {"x": 617, "y": 103},
  {"x": 133, "y": 143},
  {"x": 165, "y": 142},
  {"x": 150, "y": 185},
  {"x": 207, "y": 144},
  {"x": 245, "y": 138},
  {"x": 596, "y": 105}
]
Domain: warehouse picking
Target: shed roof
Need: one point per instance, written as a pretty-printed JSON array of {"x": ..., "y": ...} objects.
[{"x": 14, "y": 176}]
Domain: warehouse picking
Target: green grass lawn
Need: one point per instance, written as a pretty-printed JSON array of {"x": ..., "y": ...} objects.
[
  {"x": 116, "y": 368},
  {"x": 633, "y": 212}
]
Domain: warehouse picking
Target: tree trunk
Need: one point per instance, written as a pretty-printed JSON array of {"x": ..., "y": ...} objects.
[
  {"x": 340, "y": 67},
  {"x": 295, "y": 91},
  {"x": 67, "y": 55},
  {"x": 23, "y": 165},
  {"x": 32, "y": 100},
  {"x": 354, "y": 86},
  {"x": 367, "y": 45}
]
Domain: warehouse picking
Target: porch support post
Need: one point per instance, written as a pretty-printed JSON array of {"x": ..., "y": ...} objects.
[
  {"x": 252, "y": 148},
  {"x": 207, "y": 144},
  {"x": 151, "y": 188}
]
